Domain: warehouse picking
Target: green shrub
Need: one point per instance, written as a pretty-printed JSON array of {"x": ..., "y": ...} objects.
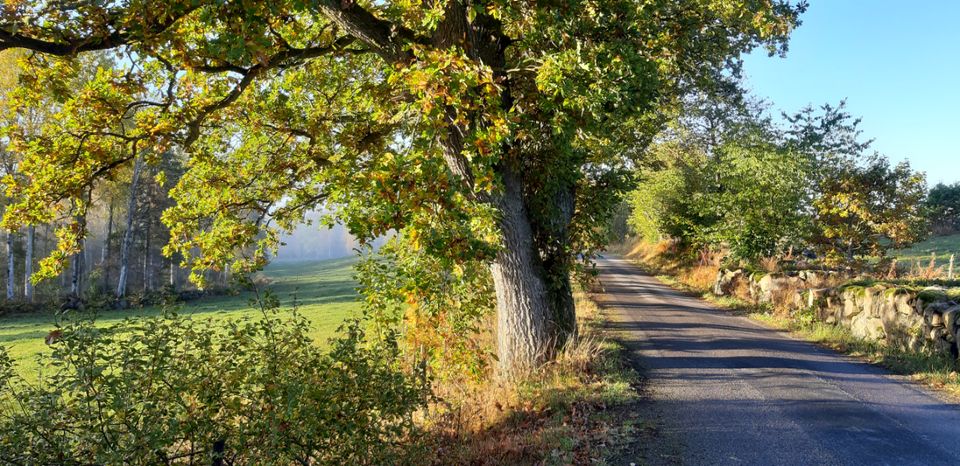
[
  {"x": 442, "y": 306},
  {"x": 805, "y": 315},
  {"x": 171, "y": 390}
]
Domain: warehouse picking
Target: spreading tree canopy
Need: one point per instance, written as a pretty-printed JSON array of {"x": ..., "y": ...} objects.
[{"x": 495, "y": 131}]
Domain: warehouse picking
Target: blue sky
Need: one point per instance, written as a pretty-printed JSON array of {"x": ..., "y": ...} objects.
[{"x": 896, "y": 62}]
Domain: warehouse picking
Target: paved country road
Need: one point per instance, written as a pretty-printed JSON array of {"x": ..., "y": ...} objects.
[{"x": 727, "y": 390}]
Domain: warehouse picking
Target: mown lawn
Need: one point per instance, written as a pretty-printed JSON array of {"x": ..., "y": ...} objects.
[
  {"x": 941, "y": 246},
  {"x": 325, "y": 292}
]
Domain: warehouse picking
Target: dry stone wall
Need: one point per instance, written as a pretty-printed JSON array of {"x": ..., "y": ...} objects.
[{"x": 911, "y": 317}]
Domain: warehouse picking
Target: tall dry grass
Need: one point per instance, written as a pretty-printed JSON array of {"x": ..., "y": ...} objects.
[
  {"x": 770, "y": 264},
  {"x": 700, "y": 278},
  {"x": 547, "y": 417},
  {"x": 665, "y": 258},
  {"x": 786, "y": 299},
  {"x": 926, "y": 272},
  {"x": 703, "y": 274},
  {"x": 659, "y": 251}
]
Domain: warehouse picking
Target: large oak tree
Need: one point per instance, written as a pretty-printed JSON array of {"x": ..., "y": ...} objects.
[{"x": 493, "y": 130}]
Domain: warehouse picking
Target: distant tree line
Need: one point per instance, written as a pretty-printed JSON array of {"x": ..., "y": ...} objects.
[
  {"x": 122, "y": 257},
  {"x": 121, "y": 260},
  {"x": 727, "y": 177},
  {"x": 943, "y": 203}
]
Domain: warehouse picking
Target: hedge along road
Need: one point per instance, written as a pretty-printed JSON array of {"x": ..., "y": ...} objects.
[{"x": 727, "y": 390}]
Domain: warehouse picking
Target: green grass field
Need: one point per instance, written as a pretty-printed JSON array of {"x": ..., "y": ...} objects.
[
  {"x": 941, "y": 246},
  {"x": 325, "y": 292}
]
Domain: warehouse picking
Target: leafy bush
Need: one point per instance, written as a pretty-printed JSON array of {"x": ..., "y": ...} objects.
[
  {"x": 747, "y": 197},
  {"x": 171, "y": 390},
  {"x": 440, "y": 304},
  {"x": 662, "y": 204}
]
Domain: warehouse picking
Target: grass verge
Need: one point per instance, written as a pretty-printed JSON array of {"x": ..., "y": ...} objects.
[
  {"x": 927, "y": 367},
  {"x": 575, "y": 410}
]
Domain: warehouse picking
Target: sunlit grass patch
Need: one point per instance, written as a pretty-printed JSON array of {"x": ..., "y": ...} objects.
[
  {"x": 940, "y": 247},
  {"x": 324, "y": 292},
  {"x": 927, "y": 367}
]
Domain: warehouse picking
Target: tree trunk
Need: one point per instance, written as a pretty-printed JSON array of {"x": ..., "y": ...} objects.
[
  {"x": 532, "y": 312},
  {"x": 78, "y": 262},
  {"x": 76, "y": 276},
  {"x": 563, "y": 315},
  {"x": 524, "y": 328},
  {"x": 11, "y": 267},
  {"x": 105, "y": 254},
  {"x": 526, "y": 325},
  {"x": 553, "y": 240},
  {"x": 147, "y": 285},
  {"x": 128, "y": 233},
  {"x": 28, "y": 265}
]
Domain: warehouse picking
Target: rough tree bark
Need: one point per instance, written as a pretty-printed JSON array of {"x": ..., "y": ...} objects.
[
  {"x": 28, "y": 264},
  {"x": 525, "y": 333},
  {"x": 557, "y": 261},
  {"x": 128, "y": 233}
]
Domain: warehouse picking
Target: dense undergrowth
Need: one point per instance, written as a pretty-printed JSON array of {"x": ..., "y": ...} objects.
[
  {"x": 174, "y": 389},
  {"x": 697, "y": 274},
  {"x": 571, "y": 411}
]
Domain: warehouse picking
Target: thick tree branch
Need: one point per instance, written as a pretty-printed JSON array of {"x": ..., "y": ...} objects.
[
  {"x": 10, "y": 40},
  {"x": 388, "y": 40},
  {"x": 10, "y": 37}
]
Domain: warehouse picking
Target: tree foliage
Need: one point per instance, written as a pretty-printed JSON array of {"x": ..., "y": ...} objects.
[
  {"x": 749, "y": 196},
  {"x": 442, "y": 307},
  {"x": 661, "y": 203},
  {"x": 943, "y": 203},
  {"x": 760, "y": 190},
  {"x": 171, "y": 390},
  {"x": 761, "y": 199},
  {"x": 868, "y": 207}
]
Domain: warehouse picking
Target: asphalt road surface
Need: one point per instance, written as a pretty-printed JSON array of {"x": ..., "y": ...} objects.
[{"x": 728, "y": 390}]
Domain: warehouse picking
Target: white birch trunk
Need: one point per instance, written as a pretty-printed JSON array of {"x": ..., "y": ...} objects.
[
  {"x": 11, "y": 268},
  {"x": 28, "y": 264},
  {"x": 128, "y": 233}
]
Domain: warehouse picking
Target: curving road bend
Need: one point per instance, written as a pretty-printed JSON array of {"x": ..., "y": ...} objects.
[{"x": 731, "y": 391}]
